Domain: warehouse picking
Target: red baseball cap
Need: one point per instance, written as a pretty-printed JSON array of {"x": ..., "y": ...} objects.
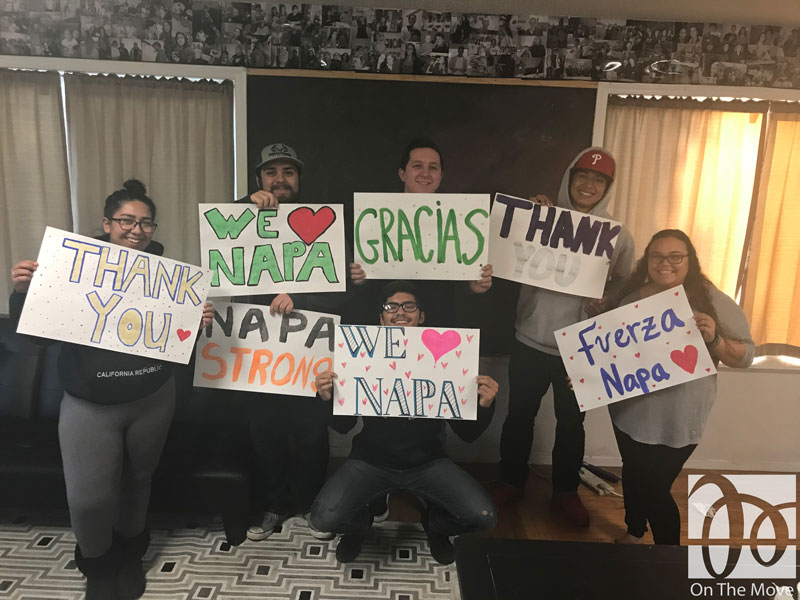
[{"x": 597, "y": 160}]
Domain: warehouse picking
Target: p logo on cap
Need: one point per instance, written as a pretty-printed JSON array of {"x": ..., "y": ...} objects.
[{"x": 596, "y": 160}]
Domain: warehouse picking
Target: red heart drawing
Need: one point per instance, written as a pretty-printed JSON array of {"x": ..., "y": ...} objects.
[
  {"x": 385, "y": 391},
  {"x": 341, "y": 344},
  {"x": 444, "y": 365},
  {"x": 464, "y": 371},
  {"x": 361, "y": 354},
  {"x": 393, "y": 365},
  {"x": 344, "y": 364},
  {"x": 581, "y": 380},
  {"x": 408, "y": 374},
  {"x": 469, "y": 339},
  {"x": 688, "y": 331},
  {"x": 623, "y": 322},
  {"x": 341, "y": 381},
  {"x": 183, "y": 334},
  {"x": 614, "y": 356},
  {"x": 582, "y": 404},
  {"x": 341, "y": 401},
  {"x": 708, "y": 370},
  {"x": 430, "y": 406},
  {"x": 676, "y": 293},
  {"x": 654, "y": 385},
  {"x": 367, "y": 367},
  {"x": 571, "y": 357},
  {"x": 420, "y": 357},
  {"x": 463, "y": 401},
  {"x": 309, "y": 225},
  {"x": 444, "y": 410},
  {"x": 599, "y": 326},
  {"x": 405, "y": 342},
  {"x": 458, "y": 353},
  {"x": 686, "y": 360},
  {"x": 563, "y": 333},
  {"x": 408, "y": 393},
  {"x": 667, "y": 343},
  {"x": 374, "y": 386},
  {"x": 461, "y": 388},
  {"x": 637, "y": 355},
  {"x": 364, "y": 402},
  {"x": 635, "y": 306}
]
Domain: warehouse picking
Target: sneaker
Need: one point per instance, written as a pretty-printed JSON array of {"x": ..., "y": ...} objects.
[
  {"x": 570, "y": 506},
  {"x": 379, "y": 509},
  {"x": 263, "y": 530},
  {"x": 441, "y": 547},
  {"x": 504, "y": 495},
  {"x": 349, "y": 547},
  {"x": 320, "y": 535}
]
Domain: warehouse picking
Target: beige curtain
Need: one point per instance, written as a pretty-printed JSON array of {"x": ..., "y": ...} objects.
[
  {"x": 772, "y": 287},
  {"x": 34, "y": 186},
  {"x": 686, "y": 168},
  {"x": 176, "y": 136}
]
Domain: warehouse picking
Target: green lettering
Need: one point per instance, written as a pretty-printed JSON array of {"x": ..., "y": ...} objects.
[
  {"x": 478, "y": 234},
  {"x": 426, "y": 258},
  {"x": 229, "y": 226},
  {"x": 291, "y": 250},
  {"x": 216, "y": 263},
  {"x": 450, "y": 233},
  {"x": 262, "y": 229},
  {"x": 264, "y": 260},
  {"x": 319, "y": 257},
  {"x": 371, "y": 243},
  {"x": 404, "y": 234},
  {"x": 386, "y": 229}
]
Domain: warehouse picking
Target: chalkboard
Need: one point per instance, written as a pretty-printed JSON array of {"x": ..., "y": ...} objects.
[{"x": 494, "y": 138}]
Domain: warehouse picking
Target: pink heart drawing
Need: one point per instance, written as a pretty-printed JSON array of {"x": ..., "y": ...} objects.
[
  {"x": 341, "y": 344},
  {"x": 408, "y": 393},
  {"x": 464, "y": 371},
  {"x": 463, "y": 401},
  {"x": 430, "y": 406},
  {"x": 444, "y": 365},
  {"x": 708, "y": 370},
  {"x": 361, "y": 354},
  {"x": 183, "y": 334},
  {"x": 341, "y": 382},
  {"x": 385, "y": 391},
  {"x": 458, "y": 353},
  {"x": 393, "y": 365},
  {"x": 571, "y": 357},
  {"x": 581, "y": 380},
  {"x": 374, "y": 386},
  {"x": 405, "y": 342},
  {"x": 344, "y": 364},
  {"x": 469, "y": 338},
  {"x": 686, "y": 360},
  {"x": 408, "y": 374},
  {"x": 461, "y": 388},
  {"x": 420, "y": 357},
  {"x": 440, "y": 344},
  {"x": 364, "y": 401},
  {"x": 637, "y": 354},
  {"x": 367, "y": 367},
  {"x": 341, "y": 401},
  {"x": 444, "y": 410}
]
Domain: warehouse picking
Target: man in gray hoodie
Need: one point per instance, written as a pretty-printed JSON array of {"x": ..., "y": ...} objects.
[{"x": 535, "y": 362}]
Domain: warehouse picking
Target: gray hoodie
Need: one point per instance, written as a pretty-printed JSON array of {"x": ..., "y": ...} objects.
[{"x": 540, "y": 312}]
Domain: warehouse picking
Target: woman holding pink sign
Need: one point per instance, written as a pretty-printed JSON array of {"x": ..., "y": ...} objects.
[
  {"x": 113, "y": 422},
  {"x": 656, "y": 433}
]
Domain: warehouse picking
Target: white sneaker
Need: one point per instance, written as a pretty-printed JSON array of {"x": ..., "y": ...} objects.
[
  {"x": 379, "y": 509},
  {"x": 264, "y": 529},
  {"x": 320, "y": 535}
]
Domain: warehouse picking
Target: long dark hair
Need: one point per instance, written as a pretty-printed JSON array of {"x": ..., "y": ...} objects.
[
  {"x": 696, "y": 284},
  {"x": 133, "y": 189}
]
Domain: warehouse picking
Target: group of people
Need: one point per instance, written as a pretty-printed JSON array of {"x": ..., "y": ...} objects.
[{"x": 112, "y": 430}]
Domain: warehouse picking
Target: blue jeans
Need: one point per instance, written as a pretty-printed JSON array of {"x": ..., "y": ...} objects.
[{"x": 456, "y": 502}]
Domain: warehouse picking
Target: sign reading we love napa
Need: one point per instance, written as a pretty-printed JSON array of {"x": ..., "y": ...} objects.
[
  {"x": 406, "y": 372},
  {"x": 551, "y": 247},
  {"x": 292, "y": 249},
  {"x": 246, "y": 348},
  {"x": 636, "y": 349},
  {"x": 98, "y": 294},
  {"x": 421, "y": 236}
]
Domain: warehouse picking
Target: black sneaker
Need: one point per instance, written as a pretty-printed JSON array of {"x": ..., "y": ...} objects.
[
  {"x": 349, "y": 547},
  {"x": 441, "y": 548}
]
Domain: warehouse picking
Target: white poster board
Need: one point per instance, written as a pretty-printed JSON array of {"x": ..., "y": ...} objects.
[
  {"x": 421, "y": 236},
  {"x": 107, "y": 296},
  {"x": 297, "y": 248},
  {"x": 551, "y": 247},
  {"x": 648, "y": 345},
  {"x": 421, "y": 372},
  {"x": 246, "y": 348}
]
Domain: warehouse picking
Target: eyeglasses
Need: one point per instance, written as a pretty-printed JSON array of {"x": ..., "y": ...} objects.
[
  {"x": 673, "y": 259},
  {"x": 128, "y": 224},
  {"x": 392, "y": 307}
]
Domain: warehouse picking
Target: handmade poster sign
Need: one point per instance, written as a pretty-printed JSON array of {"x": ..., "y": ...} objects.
[
  {"x": 246, "y": 348},
  {"x": 550, "y": 247},
  {"x": 636, "y": 349},
  {"x": 406, "y": 372},
  {"x": 292, "y": 249},
  {"x": 98, "y": 294},
  {"x": 421, "y": 236}
]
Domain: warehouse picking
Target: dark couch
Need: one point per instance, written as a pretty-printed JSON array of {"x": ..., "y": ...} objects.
[{"x": 204, "y": 467}]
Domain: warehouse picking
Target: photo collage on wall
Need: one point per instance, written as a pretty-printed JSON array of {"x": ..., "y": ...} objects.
[{"x": 403, "y": 41}]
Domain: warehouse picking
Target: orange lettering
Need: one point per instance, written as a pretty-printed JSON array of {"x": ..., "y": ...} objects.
[
  {"x": 237, "y": 364},
  {"x": 303, "y": 369},
  {"x": 283, "y": 380},
  {"x": 206, "y": 352},
  {"x": 257, "y": 367}
]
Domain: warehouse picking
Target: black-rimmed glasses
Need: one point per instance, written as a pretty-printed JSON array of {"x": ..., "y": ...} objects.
[
  {"x": 673, "y": 259},
  {"x": 128, "y": 224},
  {"x": 393, "y": 307}
]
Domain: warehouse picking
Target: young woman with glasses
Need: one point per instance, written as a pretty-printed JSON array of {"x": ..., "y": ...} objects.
[
  {"x": 114, "y": 418},
  {"x": 657, "y": 432}
]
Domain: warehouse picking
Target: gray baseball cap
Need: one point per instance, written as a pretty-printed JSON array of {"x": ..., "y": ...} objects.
[{"x": 279, "y": 151}]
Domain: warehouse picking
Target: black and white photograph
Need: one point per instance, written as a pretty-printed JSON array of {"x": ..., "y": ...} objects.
[
  {"x": 458, "y": 61},
  {"x": 531, "y": 54}
]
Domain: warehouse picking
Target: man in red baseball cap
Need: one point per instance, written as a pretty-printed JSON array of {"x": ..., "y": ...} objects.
[{"x": 535, "y": 363}]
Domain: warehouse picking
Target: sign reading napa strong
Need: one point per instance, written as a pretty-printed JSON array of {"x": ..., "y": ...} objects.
[{"x": 421, "y": 236}]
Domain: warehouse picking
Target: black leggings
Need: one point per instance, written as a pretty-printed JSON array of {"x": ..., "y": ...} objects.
[{"x": 648, "y": 472}]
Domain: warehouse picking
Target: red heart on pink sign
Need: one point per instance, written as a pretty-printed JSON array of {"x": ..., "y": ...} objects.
[{"x": 309, "y": 225}]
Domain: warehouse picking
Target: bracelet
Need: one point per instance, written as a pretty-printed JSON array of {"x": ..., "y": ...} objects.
[{"x": 715, "y": 342}]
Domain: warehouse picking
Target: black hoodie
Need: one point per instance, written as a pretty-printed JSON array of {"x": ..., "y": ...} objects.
[{"x": 103, "y": 376}]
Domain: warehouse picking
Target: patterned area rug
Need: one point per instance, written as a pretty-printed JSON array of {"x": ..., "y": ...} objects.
[{"x": 187, "y": 561}]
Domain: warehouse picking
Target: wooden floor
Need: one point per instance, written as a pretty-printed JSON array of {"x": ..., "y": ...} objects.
[{"x": 532, "y": 518}]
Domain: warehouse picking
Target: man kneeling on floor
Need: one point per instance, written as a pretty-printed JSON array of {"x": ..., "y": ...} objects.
[{"x": 395, "y": 453}]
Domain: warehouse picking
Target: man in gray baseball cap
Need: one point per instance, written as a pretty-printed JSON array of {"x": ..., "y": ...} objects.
[{"x": 278, "y": 176}]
